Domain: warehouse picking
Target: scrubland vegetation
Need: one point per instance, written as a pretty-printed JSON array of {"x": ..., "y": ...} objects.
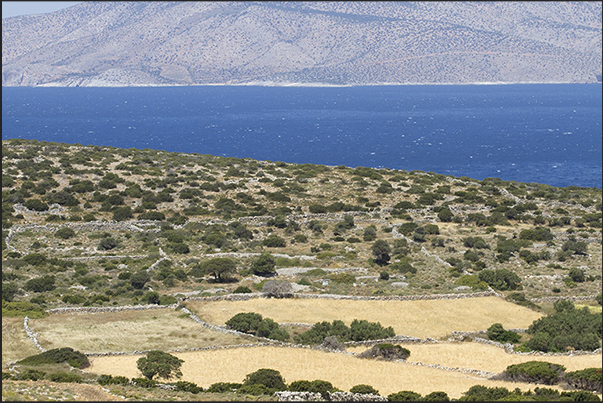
[{"x": 105, "y": 227}]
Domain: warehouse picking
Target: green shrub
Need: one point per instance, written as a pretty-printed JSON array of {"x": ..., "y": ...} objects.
[
  {"x": 500, "y": 279},
  {"x": 246, "y": 322},
  {"x": 31, "y": 374},
  {"x": 274, "y": 241},
  {"x": 255, "y": 390},
  {"x": 496, "y": 332},
  {"x": 64, "y": 377},
  {"x": 364, "y": 389},
  {"x": 534, "y": 372},
  {"x": 479, "y": 393},
  {"x": 185, "y": 386},
  {"x": 588, "y": 379},
  {"x": 579, "y": 329},
  {"x": 21, "y": 309},
  {"x": 264, "y": 265},
  {"x": 580, "y": 396},
  {"x": 108, "y": 243},
  {"x": 57, "y": 356},
  {"x": 361, "y": 330},
  {"x": 64, "y": 233},
  {"x": 112, "y": 380},
  {"x": 270, "y": 378},
  {"x": 144, "y": 382},
  {"x": 436, "y": 397},
  {"x": 35, "y": 259},
  {"x": 242, "y": 290},
  {"x": 404, "y": 396},
  {"x": 40, "y": 284}
]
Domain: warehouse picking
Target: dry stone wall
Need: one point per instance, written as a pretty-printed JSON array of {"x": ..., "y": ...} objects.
[{"x": 33, "y": 336}]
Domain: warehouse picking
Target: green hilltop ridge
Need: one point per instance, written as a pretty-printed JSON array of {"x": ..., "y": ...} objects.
[{"x": 96, "y": 226}]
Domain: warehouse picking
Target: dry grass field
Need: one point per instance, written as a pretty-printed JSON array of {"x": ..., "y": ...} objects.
[
  {"x": 45, "y": 390},
  {"x": 128, "y": 331},
  {"x": 15, "y": 344},
  {"x": 343, "y": 371},
  {"x": 485, "y": 357},
  {"x": 422, "y": 318}
]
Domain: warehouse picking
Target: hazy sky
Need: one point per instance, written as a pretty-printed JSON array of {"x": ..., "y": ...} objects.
[{"x": 14, "y": 8}]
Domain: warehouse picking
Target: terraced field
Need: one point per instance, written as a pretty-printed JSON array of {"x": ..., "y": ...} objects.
[
  {"x": 420, "y": 318},
  {"x": 343, "y": 371}
]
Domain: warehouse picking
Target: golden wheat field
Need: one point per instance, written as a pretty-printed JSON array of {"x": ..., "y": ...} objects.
[
  {"x": 485, "y": 357},
  {"x": 342, "y": 370},
  {"x": 127, "y": 331},
  {"x": 15, "y": 344},
  {"x": 421, "y": 318}
]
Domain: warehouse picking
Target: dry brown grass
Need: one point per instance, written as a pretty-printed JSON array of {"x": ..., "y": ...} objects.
[
  {"x": 423, "y": 318},
  {"x": 46, "y": 390},
  {"x": 485, "y": 357},
  {"x": 343, "y": 371},
  {"x": 15, "y": 344},
  {"x": 127, "y": 331}
]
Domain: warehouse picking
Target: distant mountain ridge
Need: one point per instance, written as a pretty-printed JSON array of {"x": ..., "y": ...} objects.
[{"x": 306, "y": 43}]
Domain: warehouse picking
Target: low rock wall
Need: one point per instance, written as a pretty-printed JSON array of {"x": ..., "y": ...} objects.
[
  {"x": 32, "y": 335},
  {"x": 554, "y": 299},
  {"x": 95, "y": 309}
]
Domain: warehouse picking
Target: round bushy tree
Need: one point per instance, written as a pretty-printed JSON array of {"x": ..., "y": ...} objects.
[
  {"x": 268, "y": 377},
  {"x": 364, "y": 389},
  {"x": 264, "y": 265},
  {"x": 159, "y": 363}
]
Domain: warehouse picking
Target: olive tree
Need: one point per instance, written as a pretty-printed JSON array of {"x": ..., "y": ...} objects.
[{"x": 159, "y": 363}]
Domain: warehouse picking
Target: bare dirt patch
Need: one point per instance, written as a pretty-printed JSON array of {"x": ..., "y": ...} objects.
[
  {"x": 128, "y": 331},
  {"x": 422, "y": 318}
]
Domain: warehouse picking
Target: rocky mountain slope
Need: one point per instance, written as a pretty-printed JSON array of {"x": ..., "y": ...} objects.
[{"x": 180, "y": 43}]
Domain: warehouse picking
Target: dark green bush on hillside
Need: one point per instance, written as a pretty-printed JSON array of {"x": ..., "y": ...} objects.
[
  {"x": 253, "y": 323},
  {"x": 568, "y": 327},
  {"x": 364, "y": 389},
  {"x": 40, "y": 284},
  {"x": 587, "y": 379},
  {"x": 64, "y": 233},
  {"x": 359, "y": 330},
  {"x": 364, "y": 330},
  {"x": 404, "y": 396},
  {"x": 534, "y": 372},
  {"x": 500, "y": 279},
  {"x": 270, "y": 378},
  {"x": 57, "y": 356},
  {"x": 436, "y": 397},
  {"x": 316, "y": 386},
  {"x": 496, "y": 332},
  {"x": 36, "y": 205}
]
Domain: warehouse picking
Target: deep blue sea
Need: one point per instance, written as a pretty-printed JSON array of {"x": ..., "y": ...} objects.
[{"x": 544, "y": 133}]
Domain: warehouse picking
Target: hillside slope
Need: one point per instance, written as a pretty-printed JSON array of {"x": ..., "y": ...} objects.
[{"x": 180, "y": 43}]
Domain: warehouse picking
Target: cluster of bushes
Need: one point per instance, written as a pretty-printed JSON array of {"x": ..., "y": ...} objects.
[
  {"x": 566, "y": 328},
  {"x": 359, "y": 330},
  {"x": 496, "y": 332},
  {"x": 253, "y": 323},
  {"x": 479, "y": 393},
  {"x": 546, "y": 373},
  {"x": 35, "y": 375}
]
